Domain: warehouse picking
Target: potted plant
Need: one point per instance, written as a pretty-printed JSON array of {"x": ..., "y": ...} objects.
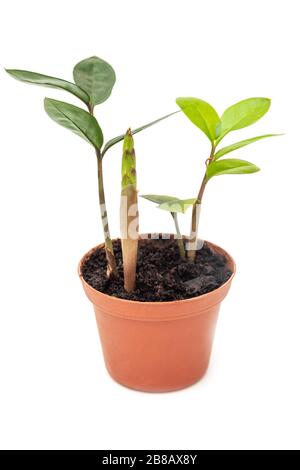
[{"x": 156, "y": 296}]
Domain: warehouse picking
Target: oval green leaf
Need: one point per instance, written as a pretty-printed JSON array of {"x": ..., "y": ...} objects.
[
  {"x": 242, "y": 143},
  {"x": 76, "y": 120},
  {"x": 243, "y": 114},
  {"x": 230, "y": 166},
  {"x": 170, "y": 203},
  {"x": 202, "y": 114},
  {"x": 52, "y": 82},
  {"x": 96, "y": 77}
]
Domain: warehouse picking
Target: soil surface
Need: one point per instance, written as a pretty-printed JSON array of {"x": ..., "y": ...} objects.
[{"x": 161, "y": 274}]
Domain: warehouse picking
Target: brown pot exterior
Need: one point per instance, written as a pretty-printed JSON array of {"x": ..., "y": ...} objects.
[{"x": 157, "y": 346}]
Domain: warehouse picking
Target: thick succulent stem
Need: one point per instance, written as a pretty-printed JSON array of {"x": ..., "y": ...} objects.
[
  {"x": 179, "y": 236},
  {"x": 111, "y": 261},
  {"x": 129, "y": 218},
  {"x": 191, "y": 253}
]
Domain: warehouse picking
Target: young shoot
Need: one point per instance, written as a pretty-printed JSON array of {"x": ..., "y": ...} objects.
[
  {"x": 205, "y": 117},
  {"x": 174, "y": 206},
  {"x": 129, "y": 218},
  {"x": 93, "y": 82}
]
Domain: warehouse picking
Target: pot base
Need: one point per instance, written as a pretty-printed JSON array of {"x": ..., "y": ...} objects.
[
  {"x": 167, "y": 390},
  {"x": 158, "y": 389}
]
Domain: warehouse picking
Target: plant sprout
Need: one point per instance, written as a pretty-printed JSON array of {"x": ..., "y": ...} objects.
[
  {"x": 174, "y": 206},
  {"x": 94, "y": 80},
  {"x": 204, "y": 116},
  {"x": 129, "y": 213}
]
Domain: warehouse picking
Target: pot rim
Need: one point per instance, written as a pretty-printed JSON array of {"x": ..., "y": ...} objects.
[{"x": 168, "y": 302}]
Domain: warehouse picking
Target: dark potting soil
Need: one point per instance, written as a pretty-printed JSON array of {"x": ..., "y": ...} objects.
[{"x": 161, "y": 274}]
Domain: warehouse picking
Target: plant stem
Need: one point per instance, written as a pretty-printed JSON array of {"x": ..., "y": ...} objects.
[
  {"x": 111, "y": 262},
  {"x": 109, "y": 250},
  {"x": 196, "y": 211},
  {"x": 179, "y": 236},
  {"x": 91, "y": 109}
]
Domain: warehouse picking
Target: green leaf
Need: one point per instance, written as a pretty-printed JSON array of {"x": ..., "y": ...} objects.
[
  {"x": 243, "y": 114},
  {"x": 96, "y": 77},
  {"x": 230, "y": 166},
  {"x": 119, "y": 138},
  {"x": 169, "y": 203},
  {"x": 242, "y": 143},
  {"x": 52, "y": 82},
  {"x": 76, "y": 119},
  {"x": 202, "y": 114}
]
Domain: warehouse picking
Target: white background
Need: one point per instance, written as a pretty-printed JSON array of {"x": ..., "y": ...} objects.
[{"x": 55, "y": 391}]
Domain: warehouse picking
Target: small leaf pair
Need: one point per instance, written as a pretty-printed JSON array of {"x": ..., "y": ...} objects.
[
  {"x": 169, "y": 203},
  {"x": 173, "y": 205},
  {"x": 206, "y": 118}
]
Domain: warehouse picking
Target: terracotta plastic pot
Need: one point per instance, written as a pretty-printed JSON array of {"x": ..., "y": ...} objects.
[{"x": 157, "y": 346}]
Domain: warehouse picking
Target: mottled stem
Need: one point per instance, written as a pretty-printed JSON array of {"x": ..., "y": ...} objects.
[
  {"x": 179, "y": 236},
  {"x": 111, "y": 261},
  {"x": 109, "y": 250}
]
